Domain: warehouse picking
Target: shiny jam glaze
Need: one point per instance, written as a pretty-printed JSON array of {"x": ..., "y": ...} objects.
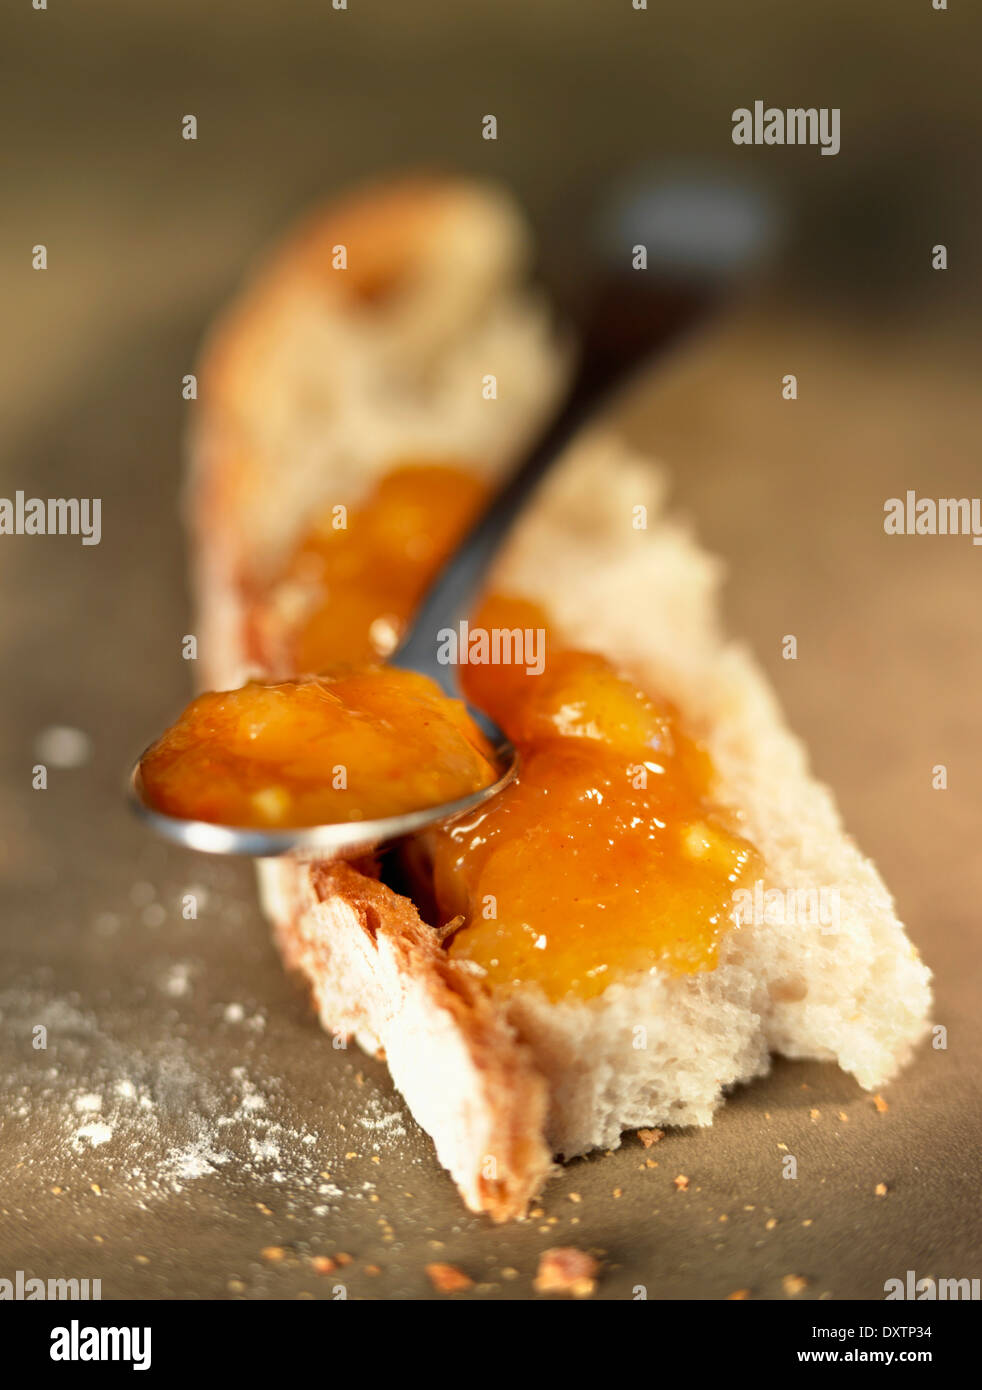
[
  {"x": 607, "y": 855},
  {"x": 347, "y": 591},
  {"x": 352, "y": 745}
]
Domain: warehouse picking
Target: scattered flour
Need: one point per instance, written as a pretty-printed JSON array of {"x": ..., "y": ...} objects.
[
  {"x": 177, "y": 981},
  {"x": 235, "y": 1013},
  {"x": 95, "y": 1132},
  {"x": 390, "y": 1125},
  {"x": 150, "y": 1120},
  {"x": 63, "y": 747}
]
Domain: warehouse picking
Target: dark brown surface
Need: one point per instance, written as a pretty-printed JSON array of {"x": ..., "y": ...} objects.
[{"x": 94, "y": 944}]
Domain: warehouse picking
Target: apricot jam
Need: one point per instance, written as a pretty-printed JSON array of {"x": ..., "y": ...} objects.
[
  {"x": 353, "y": 581},
  {"x": 606, "y": 856},
  {"x": 352, "y": 745}
]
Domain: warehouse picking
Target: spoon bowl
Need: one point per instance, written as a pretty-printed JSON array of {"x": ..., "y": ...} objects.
[{"x": 325, "y": 843}]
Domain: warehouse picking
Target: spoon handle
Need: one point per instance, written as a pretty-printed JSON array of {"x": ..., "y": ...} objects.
[{"x": 617, "y": 338}]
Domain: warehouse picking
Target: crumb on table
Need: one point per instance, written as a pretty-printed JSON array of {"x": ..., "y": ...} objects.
[
  {"x": 564, "y": 1269},
  {"x": 448, "y": 1278}
]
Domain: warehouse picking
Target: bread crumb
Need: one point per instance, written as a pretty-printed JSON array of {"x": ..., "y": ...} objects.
[
  {"x": 794, "y": 1283},
  {"x": 372, "y": 1270},
  {"x": 323, "y": 1264},
  {"x": 235, "y": 1286},
  {"x": 509, "y": 1273},
  {"x": 448, "y": 1278},
  {"x": 738, "y": 1295},
  {"x": 617, "y": 1192},
  {"x": 880, "y": 1189},
  {"x": 575, "y": 1197},
  {"x": 343, "y": 1258},
  {"x": 650, "y": 1136},
  {"x": 880, "y": 1104},
  {"x": 681, "y": 1182},
  {"x": 273, "y": 1253},
  {"x": 843, "y": 1117},
  {"x": 814, "y": 1114},
  {"x": 770, "y": 1223},
  {"x": 565, "y": 1269}
]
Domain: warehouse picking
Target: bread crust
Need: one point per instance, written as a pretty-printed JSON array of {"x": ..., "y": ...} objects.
[{"x": 379, "y": 974}]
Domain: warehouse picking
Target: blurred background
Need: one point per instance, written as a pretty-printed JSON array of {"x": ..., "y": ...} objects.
[
  {"x": 295, "y": 99},
  {"x": 148, "y": 234}
]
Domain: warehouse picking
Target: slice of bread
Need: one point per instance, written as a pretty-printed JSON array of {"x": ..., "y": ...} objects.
[
  {"x": 504, "y": 1082},
  {"x": 374, "y": 335}
]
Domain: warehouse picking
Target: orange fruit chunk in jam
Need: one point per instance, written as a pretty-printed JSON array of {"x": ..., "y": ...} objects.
[
  {"x": 347, "y": 592},
  {"x": 606, "y": 856},
  {"x": 352, "y": 745}
]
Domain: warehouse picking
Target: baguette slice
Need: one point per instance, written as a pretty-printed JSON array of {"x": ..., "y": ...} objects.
[{"x": 503, "y": 1083}]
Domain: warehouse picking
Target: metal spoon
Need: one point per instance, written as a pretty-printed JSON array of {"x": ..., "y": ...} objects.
[{"x": 627, "y": 317}]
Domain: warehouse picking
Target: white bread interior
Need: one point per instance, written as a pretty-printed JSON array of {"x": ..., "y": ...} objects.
[
  {"x": 503, "y": 1083},
  {"x": 852, "y": 990}
]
